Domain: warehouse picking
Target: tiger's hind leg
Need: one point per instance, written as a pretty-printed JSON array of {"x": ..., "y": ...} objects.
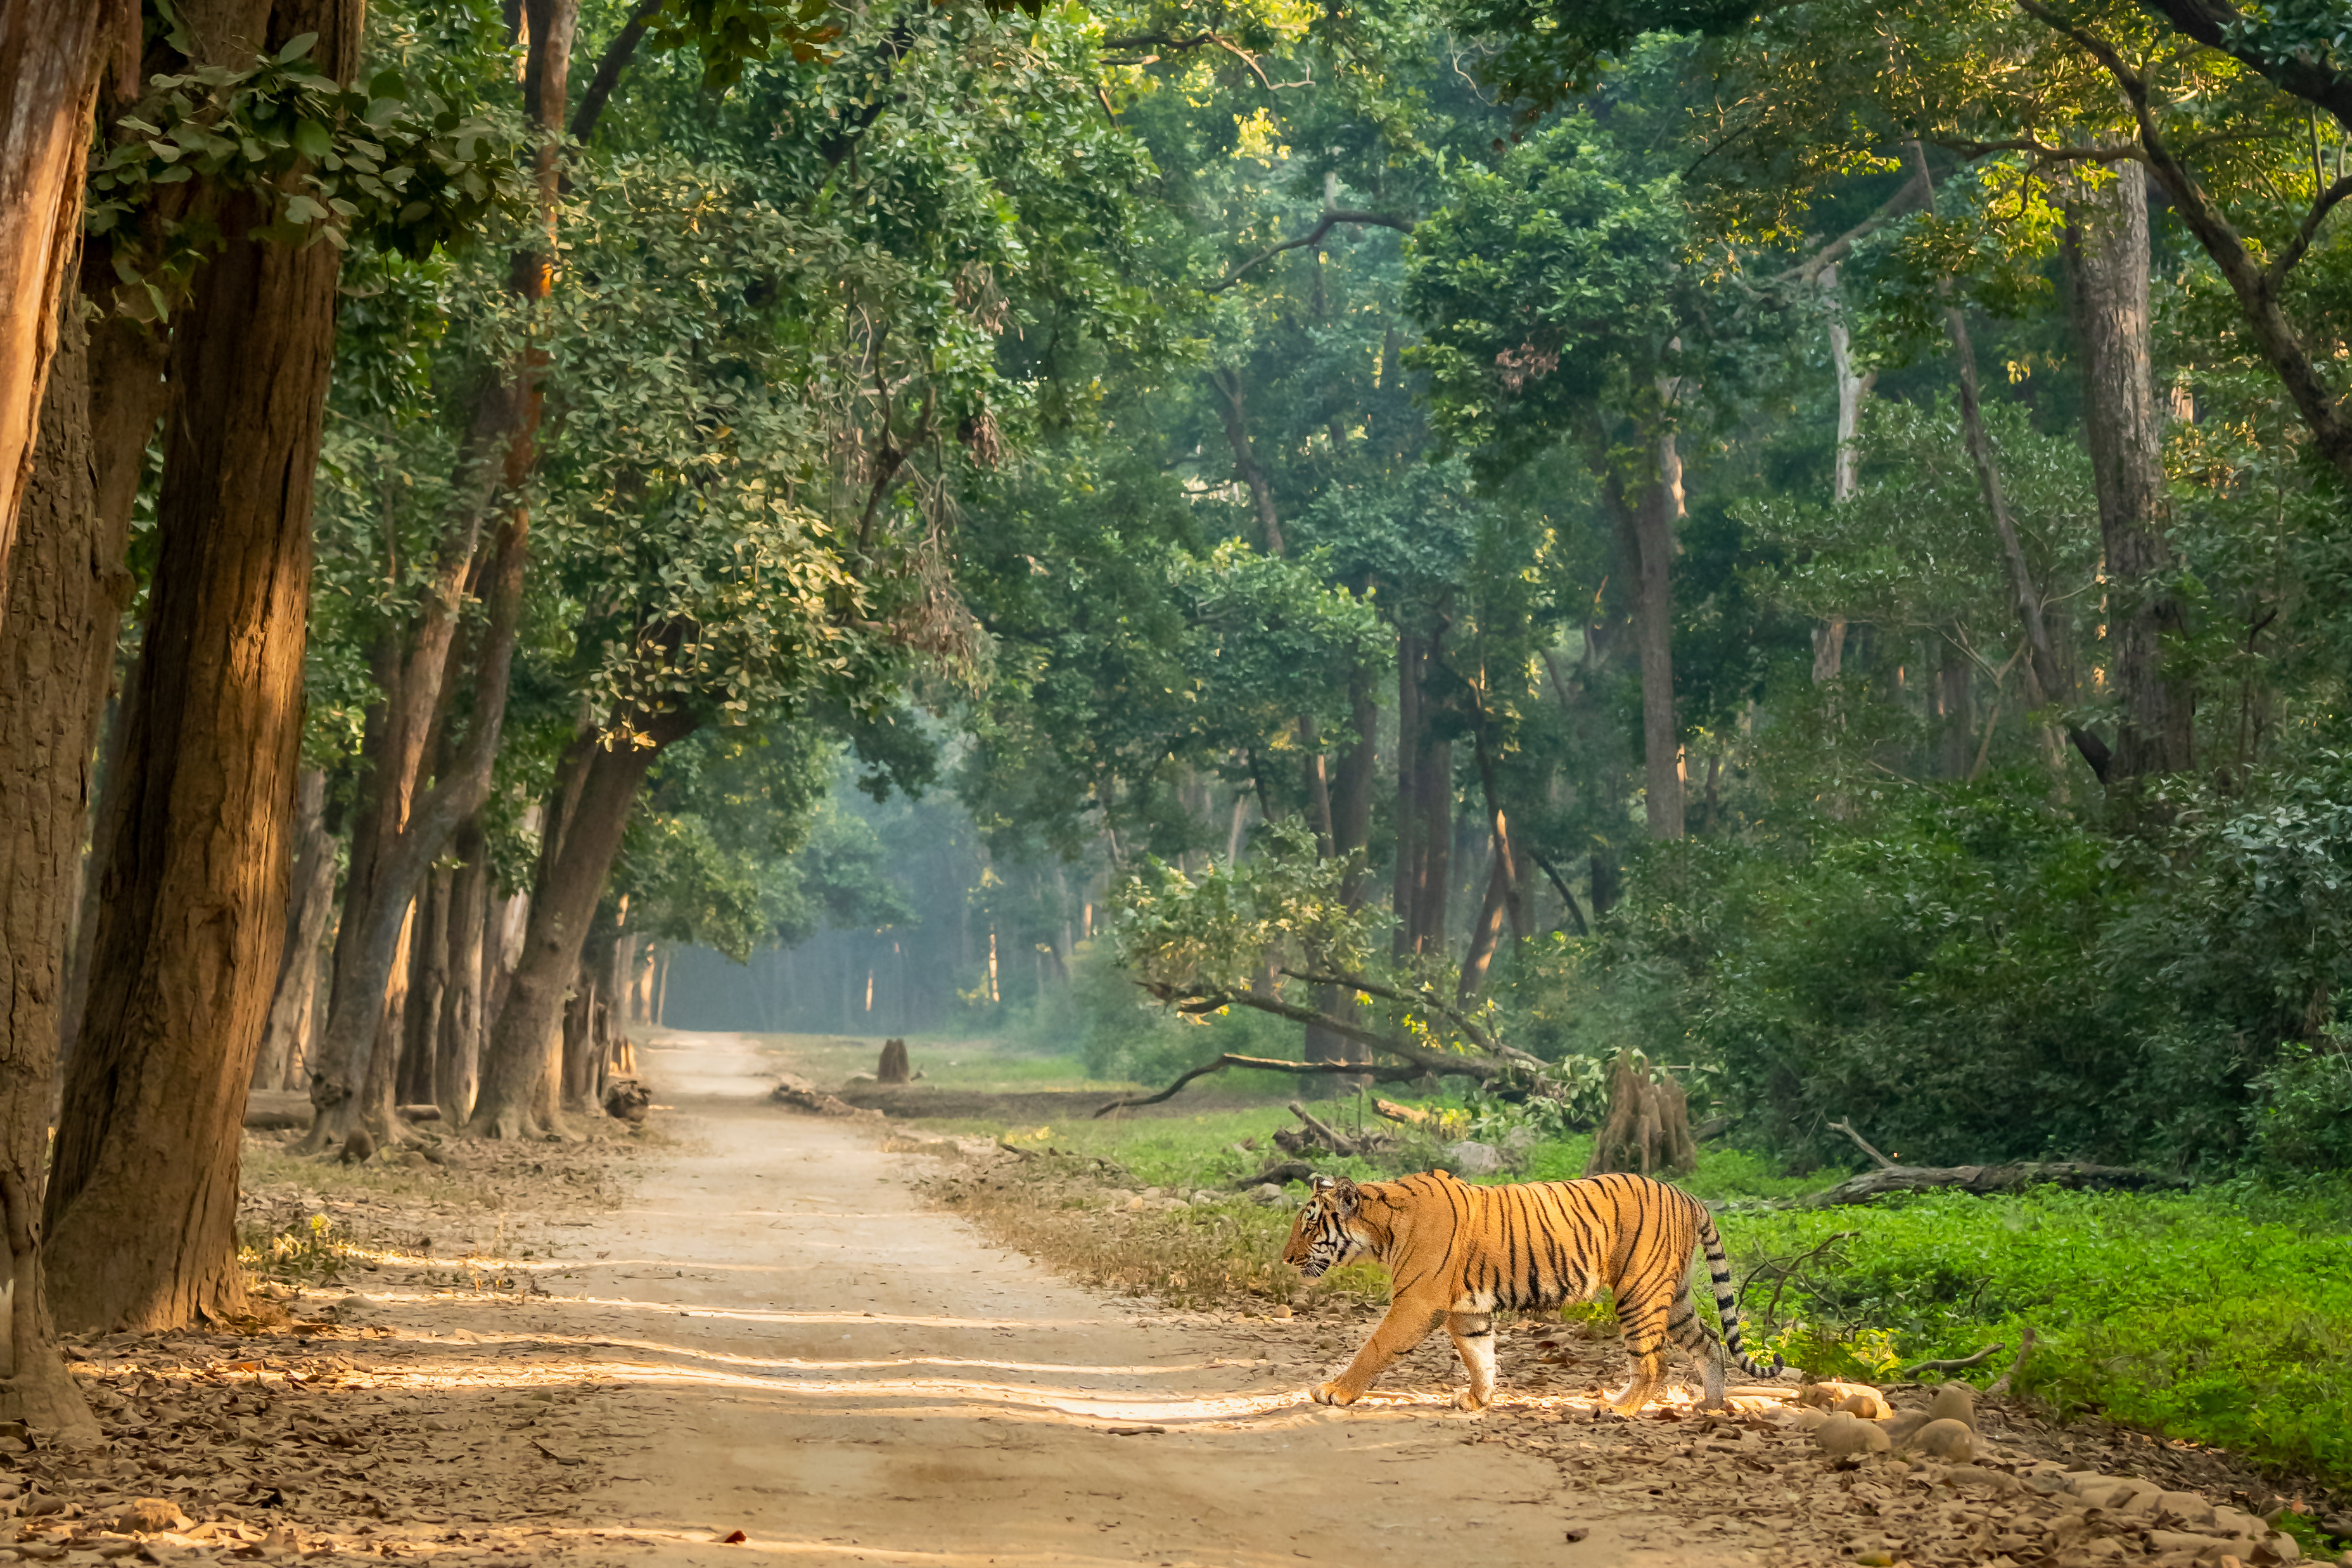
[
  {"x": 1474, "y": 1340},
  {"x": 1644, "y": 1320},
  {"x": 1684, "y": 1327}
]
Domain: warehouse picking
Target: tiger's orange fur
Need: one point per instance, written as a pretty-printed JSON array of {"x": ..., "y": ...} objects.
[{"x": 1459, "y": 1253}]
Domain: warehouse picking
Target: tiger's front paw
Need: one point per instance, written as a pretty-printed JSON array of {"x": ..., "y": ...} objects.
[
  {"x": 1468, "y": 1400},
  {"x": 1332, "y": 1394}
]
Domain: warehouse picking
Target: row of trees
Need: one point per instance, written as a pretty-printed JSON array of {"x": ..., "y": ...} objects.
[{"x": 517, "y": 497}]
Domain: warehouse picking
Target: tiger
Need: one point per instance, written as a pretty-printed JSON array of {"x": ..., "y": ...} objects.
[{"x": 1460, "y": 1252}]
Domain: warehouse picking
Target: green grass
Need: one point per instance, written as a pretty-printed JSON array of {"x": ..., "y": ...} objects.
[{"x": 2223, "y": 1315}]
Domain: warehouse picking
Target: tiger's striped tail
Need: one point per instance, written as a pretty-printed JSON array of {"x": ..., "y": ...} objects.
[{"x": 1726, "y": 1305}]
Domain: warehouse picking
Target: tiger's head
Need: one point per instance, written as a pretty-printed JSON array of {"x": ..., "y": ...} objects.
[{"x": 1326, "y": 1232}]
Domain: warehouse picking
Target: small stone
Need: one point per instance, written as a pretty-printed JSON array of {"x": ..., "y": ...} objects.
[
  {"x": 1266, "y": 1193},
  {"x": 1945, "y": 1439},
  {"x": 1844, "y": 1433},
  {"x": 1471, "y": 1157},
  {"x": 1954, "y": 1401}
]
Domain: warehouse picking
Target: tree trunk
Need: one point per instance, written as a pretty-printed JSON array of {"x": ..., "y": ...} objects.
[
  {"x": 142, "y": 1197},
  {"x": 1433, "y": 792},
  {"x": 376, "y": 1107},
  {"x": 49, "y": 54},
  {"x": 1648, "y": 1126},
  {"x": 1660, "y": 515},
  {"x": 311, "y": 903},
  {"x": 1956, "y": 716},
  {"x": 1486, "y": 931},
  {"x": 456, "y": 1060},
  {"x": 1829, "y": 638},
  {"x": 516, "y": 1061},
  {"x": 590, "y": 992},
  {"x": 127, "y": 394},
  {"x": 428, "y": 984},
  {"x": 52, "y": 693},
  {"x": 1405, "y": 876},
  {"x": 2107, "y": 234},
  {"x": 395, "y": 843}
]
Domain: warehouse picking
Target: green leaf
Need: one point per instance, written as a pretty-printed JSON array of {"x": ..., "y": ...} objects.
[
  {"x": 297, "y": 46},
  {"x": 312, "y": 140}
]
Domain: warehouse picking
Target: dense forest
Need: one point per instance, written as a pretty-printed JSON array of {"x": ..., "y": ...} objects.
[{"x": 1432, "y": 537}]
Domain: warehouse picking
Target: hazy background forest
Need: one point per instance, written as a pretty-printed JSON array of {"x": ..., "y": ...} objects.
[{"x": 1803, "y": 547}]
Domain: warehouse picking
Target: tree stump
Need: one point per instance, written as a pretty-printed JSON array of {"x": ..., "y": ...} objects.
[
  {"x": 894, "y": 1068},
  {"x": 1648, "y": 1126}
]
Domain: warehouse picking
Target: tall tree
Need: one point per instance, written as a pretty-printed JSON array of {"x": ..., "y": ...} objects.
[{"x": 193, "y": 879}]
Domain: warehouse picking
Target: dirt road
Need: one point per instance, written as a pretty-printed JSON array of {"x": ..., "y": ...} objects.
[{"x": 813, "y": 1358}]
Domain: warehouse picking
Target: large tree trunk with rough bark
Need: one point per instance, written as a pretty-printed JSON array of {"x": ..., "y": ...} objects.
[
  {"x": 127, "y": 395},
  {"x": 2106, "y": 233},
  {"x": 60, "y": 598},
  {"x": 49, "y": 52},
  {"x": 521, "y": 1060},
  {"x": 309, "y": 905},
  {"x": 143, "y": 1198},
  {"x": 456, "y": 1061}
]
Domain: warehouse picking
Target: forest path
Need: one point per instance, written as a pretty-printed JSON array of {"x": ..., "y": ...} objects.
[{"x": 806, "y": 1353}]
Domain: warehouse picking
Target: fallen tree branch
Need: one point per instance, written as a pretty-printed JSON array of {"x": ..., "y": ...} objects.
[
  {"x": 1847, "y": 1128},
  {"x": 1408, "y": 1115},
  {"x": 1987, "y": 1353},
  {"x": 1983, "y": 1180},
  {"x": 2025, "y": 1343},
  {"x": 1337, "y": 1143},
  {"x": 1271, "y": 1064},
  {"x": 1281, "y": 1172}
]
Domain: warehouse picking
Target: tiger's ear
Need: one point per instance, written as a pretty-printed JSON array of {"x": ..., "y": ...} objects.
[{"x": 1344, "y": 1194}]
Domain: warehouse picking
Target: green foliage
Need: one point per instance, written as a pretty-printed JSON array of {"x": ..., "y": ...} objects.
[
  {"x": 2223, "y": 1317},
  {"x": 407, "y": 163}
]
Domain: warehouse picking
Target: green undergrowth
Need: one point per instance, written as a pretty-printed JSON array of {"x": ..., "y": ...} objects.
[{"x": 2222, "y": 1315}]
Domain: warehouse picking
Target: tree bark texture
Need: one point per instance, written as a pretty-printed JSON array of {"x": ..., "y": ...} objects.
[
  {"x": 127, "y": 395},
  {"x": 2108, "y": 242},
  {"x": 60, "y": 594},
  {"x": 583, "y": 1030},
  {"x": 143, "y": 1195},
  {"x": 48, "y": 84},
  {"x": 518, "y": 1066},
  {"x": 428, "y": 986},
  {"x": 311, "y": 904},
  {"x": 457, "y": 1057}
]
